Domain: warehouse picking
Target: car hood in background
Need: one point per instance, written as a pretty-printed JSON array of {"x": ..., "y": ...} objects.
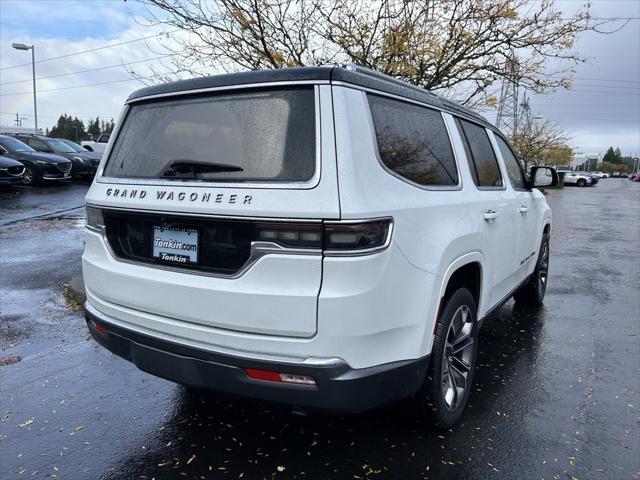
[
  {"x": 7, "y": 161},
  {"x": 45, "y": 157}
]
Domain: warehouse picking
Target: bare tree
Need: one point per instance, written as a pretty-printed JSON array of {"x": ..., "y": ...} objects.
[
  {"x": 463, "y": 46},
  {"x": 541, "y": 142}
]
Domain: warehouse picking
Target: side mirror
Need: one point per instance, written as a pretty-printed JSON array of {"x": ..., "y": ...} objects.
[{"x": 543, "y": 177}]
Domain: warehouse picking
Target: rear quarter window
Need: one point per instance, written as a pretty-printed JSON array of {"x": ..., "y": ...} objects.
[
  {"x": 265, "y": 135},
  {"x": 413, "y": 142},
  {"x": 482, "y": 159}
]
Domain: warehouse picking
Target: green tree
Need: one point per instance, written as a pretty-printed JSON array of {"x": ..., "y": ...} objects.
[
  {"x": 612, "y": 156},
  {"x": 93, "y": 128},
  {"x": 68, "y": 127}
]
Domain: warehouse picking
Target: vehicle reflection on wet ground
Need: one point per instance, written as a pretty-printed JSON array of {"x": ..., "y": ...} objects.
[{"x": 555, "y": 393}]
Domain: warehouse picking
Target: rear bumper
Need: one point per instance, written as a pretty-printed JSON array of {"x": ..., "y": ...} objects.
[{"x": 339, "y": 389}]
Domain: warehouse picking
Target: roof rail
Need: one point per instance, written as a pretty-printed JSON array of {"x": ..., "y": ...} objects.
[{"x": 382, "y": 76}]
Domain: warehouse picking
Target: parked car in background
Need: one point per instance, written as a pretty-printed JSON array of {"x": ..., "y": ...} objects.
[
  {"x": 11, "y": 171},
  {"x": 38, "y": 165},
  {"x": 306, "y": 205},
  {"x": 635, "y": 177},
  {"x": 600, "y": 174},
  {"x": 577, "y": 178},
  {"x": 594, "y": 178},
  {"x": 84, "y": 164},
  {"x": 97, "y": 146},
  {"x": 79, "y": 148}
]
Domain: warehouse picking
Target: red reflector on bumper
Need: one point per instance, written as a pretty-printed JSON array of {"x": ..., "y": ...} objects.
[
  {"x": 279, "y": 377},
  {"x": 263, "y": 375},
  {"x": 100, "y": 328}
]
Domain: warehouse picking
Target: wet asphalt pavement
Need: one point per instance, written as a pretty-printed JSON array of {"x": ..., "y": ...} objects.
[{"x": 556, "y": 393}]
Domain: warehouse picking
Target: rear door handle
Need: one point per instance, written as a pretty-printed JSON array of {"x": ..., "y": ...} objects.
[
  {"x": 490, "y": 215},
  {"x": 523, "y": 209}
]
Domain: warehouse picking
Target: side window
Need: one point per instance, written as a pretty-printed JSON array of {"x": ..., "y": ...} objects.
[
  {"x": 37, "y": 144},
  {"x": 482, "y": 159},
  {"x": 413, "y": 142},
  {"x": 103, "y": 139},
  {"x": 514, "y": 169}
]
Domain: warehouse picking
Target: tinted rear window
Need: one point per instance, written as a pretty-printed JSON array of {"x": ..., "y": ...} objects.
[
  {"x": 266, "y": 135},
  {"x": 413, "y": 142}
]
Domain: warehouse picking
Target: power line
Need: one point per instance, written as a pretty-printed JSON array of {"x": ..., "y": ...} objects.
[
  {"x": 92, "y": 49},
  {"x": 100, "y": 83},
  {"x": 75, "y": 86},
  {"x": 607, "y": 80},
  {"x": 87, "y": 70}
]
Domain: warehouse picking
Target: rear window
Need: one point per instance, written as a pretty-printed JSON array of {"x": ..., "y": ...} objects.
[
  {"x": 265, "y": 135},
  {"x": 413, "y": 142}
]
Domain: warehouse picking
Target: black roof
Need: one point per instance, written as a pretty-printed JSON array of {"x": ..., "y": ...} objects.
[{"x": 352, "y": 75}]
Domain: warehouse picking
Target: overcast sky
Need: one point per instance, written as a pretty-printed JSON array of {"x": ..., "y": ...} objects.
[{"x": 602, "y": 109}]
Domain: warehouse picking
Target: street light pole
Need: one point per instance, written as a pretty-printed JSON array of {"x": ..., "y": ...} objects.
[{"x": 22, "y": 46}]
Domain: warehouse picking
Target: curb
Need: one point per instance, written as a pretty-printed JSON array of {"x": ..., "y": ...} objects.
[{"x": 74, "y": 292}]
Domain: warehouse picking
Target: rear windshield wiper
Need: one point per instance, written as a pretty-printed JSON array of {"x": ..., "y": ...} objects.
[{"x": 191, "y": 168}]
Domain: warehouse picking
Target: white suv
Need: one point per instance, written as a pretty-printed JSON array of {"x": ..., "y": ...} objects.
[{"x": 328, "y": 238}]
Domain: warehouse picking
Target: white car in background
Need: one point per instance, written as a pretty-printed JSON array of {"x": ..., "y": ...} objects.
[
  {"x": 97, "y": 146},
  {"x": 577, "y": 178},
  {"x": 600, "y": 174}
]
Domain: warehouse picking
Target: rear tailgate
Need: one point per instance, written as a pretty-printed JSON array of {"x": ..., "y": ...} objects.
[{"x": 228, "y": 285}]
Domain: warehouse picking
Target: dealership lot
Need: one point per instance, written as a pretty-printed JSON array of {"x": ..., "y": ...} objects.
[{"x": 556, "y": 393}]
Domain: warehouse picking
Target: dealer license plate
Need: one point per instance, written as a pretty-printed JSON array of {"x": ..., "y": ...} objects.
[{"x": 175, "y": 245}]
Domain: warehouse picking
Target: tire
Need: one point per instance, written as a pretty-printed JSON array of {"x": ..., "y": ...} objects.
[
  {"x": 31, "y": 176},
  {"x": 532, "y": 293},
  {"x": 446, "y": 389},
  {"x": 582, "y": 182}
]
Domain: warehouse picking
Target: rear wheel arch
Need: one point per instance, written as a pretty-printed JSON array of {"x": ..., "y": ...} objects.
[{"x": 466, "y": 271}]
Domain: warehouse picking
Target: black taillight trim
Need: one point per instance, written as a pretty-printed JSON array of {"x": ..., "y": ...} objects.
[{"x": 384, "y": 223}]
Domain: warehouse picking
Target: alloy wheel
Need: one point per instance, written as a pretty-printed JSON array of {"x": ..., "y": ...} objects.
[
  {"x": 28, "y": 176},
  {"x": 543, "y": 268},
  {"x": 457, "y": 358}
]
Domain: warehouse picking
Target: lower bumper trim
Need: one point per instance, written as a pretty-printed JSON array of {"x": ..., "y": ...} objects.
[{"x": 339, "y": 389}]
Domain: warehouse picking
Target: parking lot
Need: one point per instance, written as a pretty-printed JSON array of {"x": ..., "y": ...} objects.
[{"x": 556, "y": 393}]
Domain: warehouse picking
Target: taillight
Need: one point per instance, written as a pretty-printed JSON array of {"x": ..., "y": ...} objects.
[
  {"x": 294, "y": 234},
  {"x": 95, "y": 220},
  {"x": 357, "y": 237},
  {"x": 335, "y": 238}
]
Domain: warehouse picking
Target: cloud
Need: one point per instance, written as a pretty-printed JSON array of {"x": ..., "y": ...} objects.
[{"x": 52, "y": 40}]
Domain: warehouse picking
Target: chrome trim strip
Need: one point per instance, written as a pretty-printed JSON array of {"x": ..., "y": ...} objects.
[
  {"x": 223, "y": 351},
  {"x": 313, "y": 182}
]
